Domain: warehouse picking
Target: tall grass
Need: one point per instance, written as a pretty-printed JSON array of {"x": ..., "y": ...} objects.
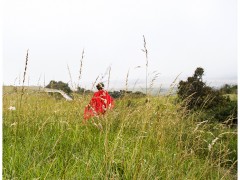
[
  {"x": 81, "y": 67},
  {"x": 109, "y": 75},
  {"x": 24, "y": 78},
  {"x": 157, "y": 140},
  {"x": 146, "y": 56},
  {"x": 45, "y": 138},
  {"x": 70, "y": 76}
]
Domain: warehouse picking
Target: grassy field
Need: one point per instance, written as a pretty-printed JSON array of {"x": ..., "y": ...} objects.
[{"x": 45, "y": 138}]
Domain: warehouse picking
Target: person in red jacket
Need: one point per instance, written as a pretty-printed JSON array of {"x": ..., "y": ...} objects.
[{"x": 100, "y": 102}]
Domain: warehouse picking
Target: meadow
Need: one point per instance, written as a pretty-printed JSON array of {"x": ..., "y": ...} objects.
[{"x": 46, "y": 138}]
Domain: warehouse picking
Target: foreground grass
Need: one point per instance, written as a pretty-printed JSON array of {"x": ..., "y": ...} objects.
[{"x": 46, "y": 138}]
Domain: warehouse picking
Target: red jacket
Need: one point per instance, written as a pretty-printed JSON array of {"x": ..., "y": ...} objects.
[{"x": 100, "y": 102}]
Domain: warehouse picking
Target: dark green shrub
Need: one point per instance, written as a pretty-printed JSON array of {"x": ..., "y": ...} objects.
[
  {"x": 195, "y": 92},
  {"x": 198, "y": 96},
  {"x": 225, "y": 112},
  {"x": 60, "y": 86}
]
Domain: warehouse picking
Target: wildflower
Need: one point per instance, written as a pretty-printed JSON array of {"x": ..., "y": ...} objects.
[{"x": 12, "y": 108}]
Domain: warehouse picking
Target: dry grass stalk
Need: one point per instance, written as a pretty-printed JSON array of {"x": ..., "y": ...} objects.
[
  {"x": 126, "y": 84},
  {"x": 105, "y": 73},
  {"x": 81, "y": 65},
  {"x": 28, "y": 80},
  {"x": 159, "y": 91},
  {"x": 14, "y": 85},
  {"x": 135, "y": 83},
  {"x": 109, "y": 73},
  {"x": 20, "y": 104},
  {"x": 38, "y": 84},
  {"x": 154, "y": 79},
  {"x": 24, "y": 76},
  {"x": 69, "y": 72},
  {"x": 44, "y": 81},
  {"x": 212, "y": 143},
  {"x": 173, "y": 84},
  {"x": 19, "y": 79},
  {"x": 210, "y": 146},
  {"x": 95, "y": 82},
  {"x": 203, "y": 122},
  {"x": 25, "y": 70},
  {"x": 229, "y": 170},
  {"x": 146, "y": 56}
]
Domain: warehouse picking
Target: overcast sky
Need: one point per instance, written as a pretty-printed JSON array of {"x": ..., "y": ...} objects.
[{"x": 180, "y": 35}]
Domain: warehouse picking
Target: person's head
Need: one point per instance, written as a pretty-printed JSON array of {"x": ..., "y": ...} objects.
[{"x": 100, "y": 86}]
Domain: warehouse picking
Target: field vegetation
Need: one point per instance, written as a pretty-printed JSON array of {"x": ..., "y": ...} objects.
[{"x": 45, "y": 138}]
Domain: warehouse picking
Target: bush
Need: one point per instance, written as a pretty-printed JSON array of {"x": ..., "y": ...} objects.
[
  {"x": 225, "y": 112},
  {"x": 196, "y": 92},
  {"x": 198, "y": 96},
  {"x": 60, "y": 86}
]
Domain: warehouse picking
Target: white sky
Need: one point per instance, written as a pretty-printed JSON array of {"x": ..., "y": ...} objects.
[{"x": 181, "y": 36}]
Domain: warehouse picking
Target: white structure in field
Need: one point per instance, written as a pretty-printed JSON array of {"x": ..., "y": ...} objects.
[{"x": 67, "y": 97}]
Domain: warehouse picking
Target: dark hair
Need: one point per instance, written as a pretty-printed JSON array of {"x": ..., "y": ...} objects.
[{"x": 100, "y": 86}]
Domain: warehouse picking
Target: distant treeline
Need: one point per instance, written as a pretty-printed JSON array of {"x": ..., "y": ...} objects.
[
  {"x": 115, "y": 94},
  {"x": 229, "y": 89}
]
